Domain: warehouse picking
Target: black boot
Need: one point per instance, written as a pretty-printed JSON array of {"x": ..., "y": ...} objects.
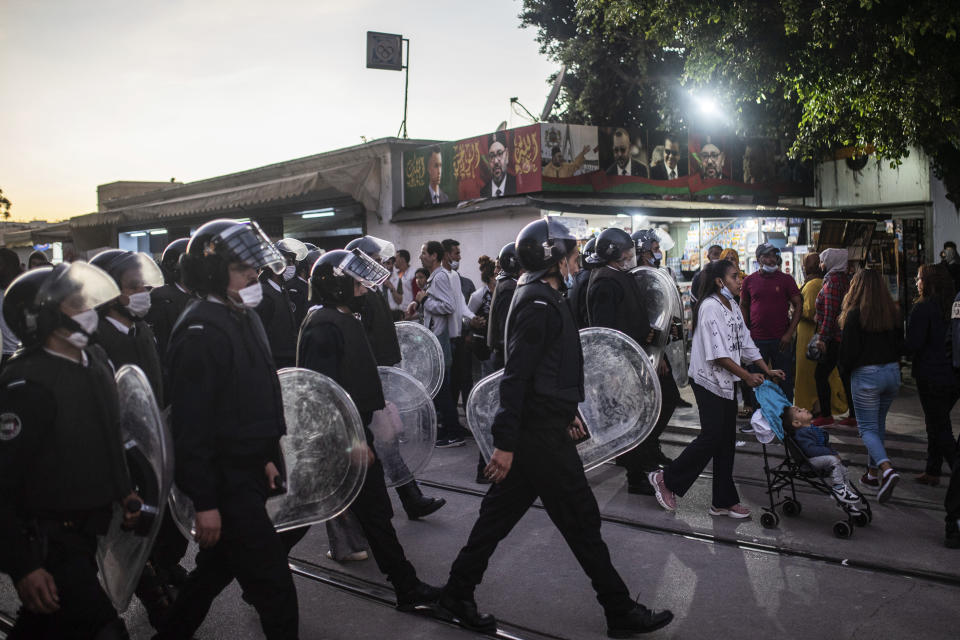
[
  {"x": 415, "y": 503},
  {"x": 154, "y": 597},
  {"x": 952, "y": 538},
  {"x": 637, "y": 484},
  {"x": 663, "y": 459},
  {"x": 423, "y": 595},
  {"x": 637, "y": 620},
  {"x": 465, "y": 614}
]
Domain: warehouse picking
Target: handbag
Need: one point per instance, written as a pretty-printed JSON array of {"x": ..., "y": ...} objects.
[{"x": 813, "y": 349}]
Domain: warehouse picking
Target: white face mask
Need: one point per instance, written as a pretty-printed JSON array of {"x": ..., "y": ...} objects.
[
  {"x": 139, "y": 304},
  {"x": 726, "y": 293},
  {"x": 252, "y": 295},
  {"x": 88, "y": 321},
  {"x": 769, "y": 268},
  {"x": 289, "y": 272},
  {"x": 455, "y": 265}
]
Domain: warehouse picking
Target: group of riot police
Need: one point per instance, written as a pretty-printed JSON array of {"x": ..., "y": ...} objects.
[{"x": 210, "y": 328}]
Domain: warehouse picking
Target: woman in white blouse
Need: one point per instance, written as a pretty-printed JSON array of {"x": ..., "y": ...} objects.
[{"x": 721, "y": 346}]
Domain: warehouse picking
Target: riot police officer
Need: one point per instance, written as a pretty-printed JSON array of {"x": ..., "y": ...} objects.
[
  {"x": 62, "y": 465},
  {"x": 227, "y": 420},
  {"x": 169, "y": 301},
  {"x": 382, "y": 334},
  {"x": 128, "y": 339},
  {"x": 334, "y": 343},
  {"x": 649, "y": 455},
  {"x": 122, "y": 330},
  {"x": 298, "y": 288},
  {"x": 534, "y": 430},
  {"x": 614, "y": 301},
  {"x": 577, "y": 295},
  {"x": 510, "y": 270},
  {"x": 276, "y": 309}
]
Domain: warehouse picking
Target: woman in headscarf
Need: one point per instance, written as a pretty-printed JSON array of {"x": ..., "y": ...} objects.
[
  {"x": 836, "y": 283},
  {"x": 805, "y": 388}
]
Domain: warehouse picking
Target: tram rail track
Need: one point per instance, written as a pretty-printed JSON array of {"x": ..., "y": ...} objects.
[
  {"x": 936, "y": 577},
  {"x": 381, "y": 594}
]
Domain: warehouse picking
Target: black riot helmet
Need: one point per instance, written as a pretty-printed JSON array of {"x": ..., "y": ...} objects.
[
  {"x": 333, "y": 275},
  {"x": 170, "y": 259},
  {"x": 542, "y": 244},
  {"x": 588, "y": 250},
  {"x": 644, "y": 239},
  {"x": 305, "y": 265},
  {"x": 612, "y": 245},
  {"x": 129, "y": 269},
  {"x": 44, "y": 299},
  {"x": 509, "y": 262},
  {"x": 218, "y": 243},
  {"x": 380, "y": 250},
  {"x": 292, "y": 250}
]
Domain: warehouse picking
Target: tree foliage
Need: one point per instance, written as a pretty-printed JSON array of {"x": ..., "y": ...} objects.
[
  {"x": 5, "y": 205},
  {"x": 823, "y": 74}
]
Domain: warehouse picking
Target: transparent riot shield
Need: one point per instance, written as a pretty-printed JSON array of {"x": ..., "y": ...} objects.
[
  {"x": 422, "y": 355},
  {"x": 122, "y": 553},
  {"x": 676, "y": 349},
  {"x": 324, "y": 454},
  {"x": 620, "y": 407},
  {"x": 405, "y": 431},
  {"x": 657, "y": 292}
]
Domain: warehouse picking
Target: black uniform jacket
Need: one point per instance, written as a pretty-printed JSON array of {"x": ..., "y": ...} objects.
[
  {"x": 543, "y": 375},
  {"x": 226, "y": 407},
  {"x": 61, "y": 455}
]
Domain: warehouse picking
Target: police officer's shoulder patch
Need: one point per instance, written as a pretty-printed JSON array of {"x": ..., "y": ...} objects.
[
  {"x": 955, "y": 312},
  {"x": 10, "y": 426}
]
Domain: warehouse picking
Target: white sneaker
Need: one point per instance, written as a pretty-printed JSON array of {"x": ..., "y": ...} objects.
[{"x": 844, "y": 494}]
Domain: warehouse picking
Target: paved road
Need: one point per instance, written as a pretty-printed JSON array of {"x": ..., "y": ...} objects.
[{"x": 721, "y": 577}]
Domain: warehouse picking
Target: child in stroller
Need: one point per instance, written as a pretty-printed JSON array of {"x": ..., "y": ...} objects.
[{"x": 808, "y": 458}]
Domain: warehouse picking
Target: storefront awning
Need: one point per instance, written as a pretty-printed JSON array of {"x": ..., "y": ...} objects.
[
  {"x": 359, "y": 181},
  {"x": 635, "y": 206}
]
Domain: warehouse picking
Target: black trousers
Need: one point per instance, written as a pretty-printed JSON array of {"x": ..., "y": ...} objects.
[
  {"x": 250, "y": 551},
  {"x": 85, "y": 610},
  {"x": 545, "y": 465},
  {"x": 461, "y": 381},
  {"x": 374, "y": 511},
  {"x": 717, "y": 441},
  {"x": 821, "y": 374},
  {"x": 646, "y": 456},
  {"x": 937, "y": 401}
]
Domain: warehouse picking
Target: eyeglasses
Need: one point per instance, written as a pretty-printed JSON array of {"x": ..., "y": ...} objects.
[{"x": 710, "y": 155}]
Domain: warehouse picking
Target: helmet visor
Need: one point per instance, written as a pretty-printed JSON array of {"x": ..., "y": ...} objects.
[
  {"x": 137, "y": 272},
  {"x": 666, "y": 242},
  {"x": 247, "y": 243},
  {"x": 364, "y": 269},
  {"x": 293, "y": 246},
  {"x": 78, "y": 287}
]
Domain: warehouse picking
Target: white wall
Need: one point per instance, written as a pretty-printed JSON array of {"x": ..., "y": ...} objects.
[
  {"x": 876, "y": 183},
  {"x": 478, "y": 234},
  {"x": 946, "y": 220}
]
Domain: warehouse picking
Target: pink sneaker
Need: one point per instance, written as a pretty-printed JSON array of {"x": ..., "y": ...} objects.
[
  {"x": 736, "y": 511},
  {"x": 664, "y": 496},
  {"x": 822, "y": 422}
]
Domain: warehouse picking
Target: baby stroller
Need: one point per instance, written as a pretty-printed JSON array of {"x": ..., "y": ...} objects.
[{"x": 795, "y": 467}]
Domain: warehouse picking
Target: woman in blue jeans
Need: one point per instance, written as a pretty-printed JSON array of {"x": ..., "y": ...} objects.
[{"x": 870, "y": 349}]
